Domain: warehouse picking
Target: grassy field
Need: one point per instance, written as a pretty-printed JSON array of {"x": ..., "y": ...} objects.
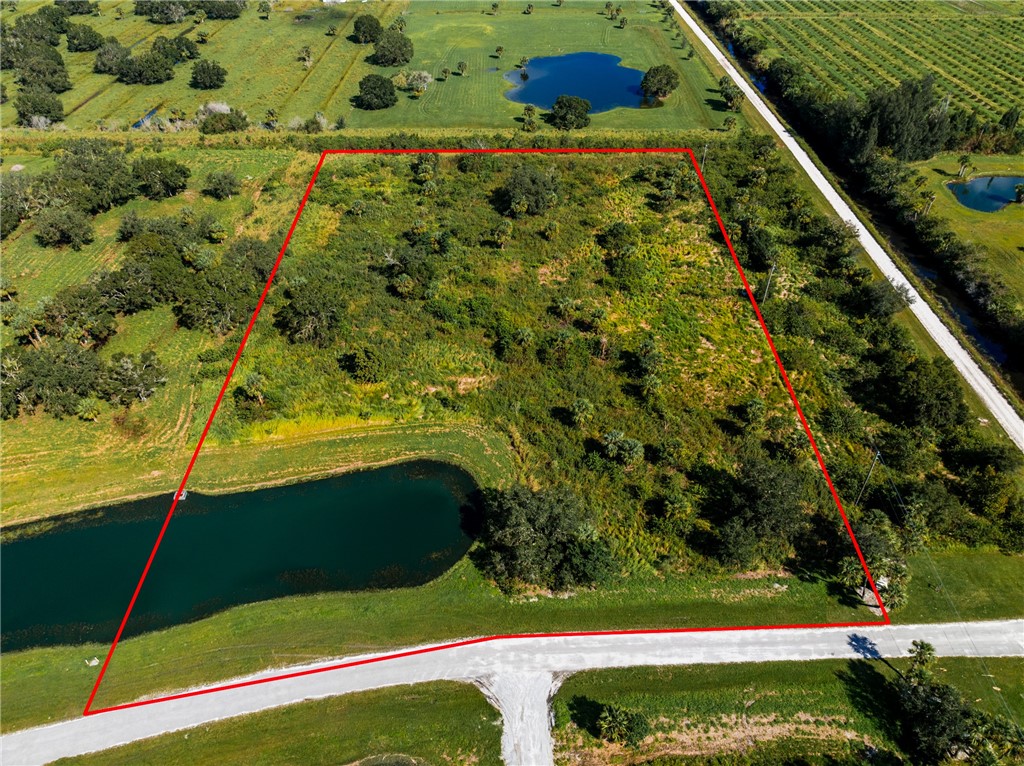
[
  {"x": 1000, "y": 235},
  {"x": 265, "y": 72},
  {"x": 973, "y": 49},
  {"x": 769, "y": 712},
  {"x": 435, "y": 723}
]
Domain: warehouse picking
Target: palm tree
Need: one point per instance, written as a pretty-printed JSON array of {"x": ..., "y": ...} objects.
[
  {"x": 332, "y": 31},
  {"x": 529, "y": 8},
  {"x": 499, "y": 51},
  {"x": 446, "y": 73},
  {"x": 494, "y": 9},
  {"x": 523, "y": 62},
  {"x": 964, "y": 160},
  {"x": 622, "y": 22},
  {"x": 463, "y": 68}
]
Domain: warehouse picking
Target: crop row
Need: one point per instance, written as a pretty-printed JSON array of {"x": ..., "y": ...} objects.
[{"x": 861, "y": 55}]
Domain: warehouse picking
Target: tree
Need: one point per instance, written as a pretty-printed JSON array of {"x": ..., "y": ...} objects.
[
  {"x": 110, "y": 57},
  {"x": 82, "y": 37},
  {"x": 729, "y": 124},
  {"x": 32, "y": 103},
  {"x": 1018, "y": 192},
  {"x": 499, "y": 51},
  {"x": 660, "y": 81},
  {"x": 332, "y": 31},
  {"x": 221, "y": 184},
  {"x": 63, "y": 226},
  {"x": 367, "y": 364},
  {"x": 570, "y": 113},
  {"x": 207, "y": 75},
  {"x": 1010, "y": 118},
  {"x": 418, "y": 81},
  {"x": 376, "y": 92},
  {"x": 731, "y": 93},
  {"x": 463, "y": 68},
  {"x": 131, "y": 379},
  {"x": 57, "y": 377},
  {"x": 494, "y": 9},
  {"x": 965, "y": 162},
  {"x": 264, "y": 9},
  {"x": 622, "y": 22},
  {"x": 158, "y": 177},
  {"x": 529, "y": 9},
  {"x": 446, "y": 73},
  {"x": 367, "y": 29},
  {"x": 392, "y": 49},
  {"x": 542, "y": 538},
  {"x": 527, "y": 191}
]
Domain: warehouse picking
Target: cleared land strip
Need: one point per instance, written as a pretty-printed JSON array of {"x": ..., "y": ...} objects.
[
  {"x": 495, "y": 665},
  {"x": 996, "y": 403}
]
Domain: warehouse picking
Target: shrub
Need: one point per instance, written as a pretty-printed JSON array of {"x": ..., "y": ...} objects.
[
  {"x": 221, "y": 184},
  {"x": 207, "y": 75},
  {"x": 158, "y": 177},
  {"x": 224, "y": 122}
]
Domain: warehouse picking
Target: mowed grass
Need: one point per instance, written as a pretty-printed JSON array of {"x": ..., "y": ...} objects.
[
  {"x": 40, "y": 685},
  {"x": 852, "y": 47},
  {"x": 440, "y": 722},
  {"x": 999, "y": 235},
  {"x": 772, "y": 709},
  {"x": 45, "y": 685},
  {"x": 265, "y": 71}
]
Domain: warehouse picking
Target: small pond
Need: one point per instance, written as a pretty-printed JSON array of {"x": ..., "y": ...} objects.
[
  {"x": 597, "y": 77},
  {"x": 987, "y": 193},
  {"x": 390, "y": 527}
]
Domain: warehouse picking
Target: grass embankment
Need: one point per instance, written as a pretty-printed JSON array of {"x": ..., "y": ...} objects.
[
  {"x": 42, "y": 685},
  {"x": 435, "y": 723},
  {"x": 999, "y": 235},
  {"x": 264, "y": 70},
  {"x": 766, "y": 712}
]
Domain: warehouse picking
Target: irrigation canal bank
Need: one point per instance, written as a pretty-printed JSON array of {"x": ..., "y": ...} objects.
[{"x": 395, "y": 526}]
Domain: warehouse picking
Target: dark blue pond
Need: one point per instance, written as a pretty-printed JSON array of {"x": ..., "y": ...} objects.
[
  {"x": 988, "y": 193},
  {"x": 596, "y": 77},
  {"x": 391, "y": 527}
]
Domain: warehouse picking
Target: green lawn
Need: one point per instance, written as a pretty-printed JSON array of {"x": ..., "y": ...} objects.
[
  {"x": 1000, "y": 235},
  {"x": 265, "y": 72},
  {"x": 433, "y": 723},
  {"x": 769, "y": 711}
]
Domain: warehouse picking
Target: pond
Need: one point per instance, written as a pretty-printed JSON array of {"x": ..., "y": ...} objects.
[
  {"x": 987, "y": 193},
  {"x": 597, "y": 77},
  {"x": 390, "y": 527}
]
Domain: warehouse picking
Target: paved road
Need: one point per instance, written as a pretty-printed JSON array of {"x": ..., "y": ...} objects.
[
  {"x": 516, "y": 674},
  {"x": 996, "y": 403}
]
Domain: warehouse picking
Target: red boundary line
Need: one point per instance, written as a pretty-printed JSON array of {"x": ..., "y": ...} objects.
[{"x": 241, "y": 347}]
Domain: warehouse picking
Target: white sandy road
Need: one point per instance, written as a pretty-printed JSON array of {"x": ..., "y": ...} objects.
[
  {"x": 517, "y": 675},
  {"x": 996, "y": 403}
]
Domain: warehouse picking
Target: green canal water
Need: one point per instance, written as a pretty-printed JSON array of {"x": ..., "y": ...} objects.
[{"x": 390, "y": 527}]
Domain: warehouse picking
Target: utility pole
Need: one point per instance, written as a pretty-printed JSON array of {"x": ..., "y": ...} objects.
[
  {"x": 768, "y": 284},
  {"x": 878, "y": 454},
  {"x": 702, "y": 157}
]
